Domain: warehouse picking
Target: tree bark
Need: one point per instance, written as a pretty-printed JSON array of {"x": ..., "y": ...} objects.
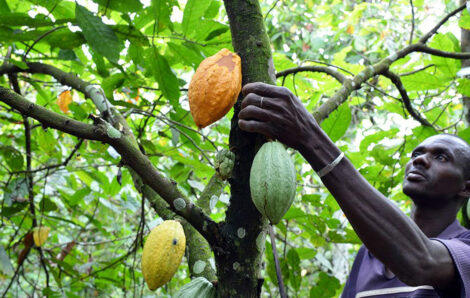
[
  {"x": 239, "y": 261},
  {"x": 465, "y": 47}
]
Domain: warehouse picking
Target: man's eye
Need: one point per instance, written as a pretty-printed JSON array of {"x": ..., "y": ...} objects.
[
  {"x": 415, "y": 154},
  {"x": 441, "y": 157}
]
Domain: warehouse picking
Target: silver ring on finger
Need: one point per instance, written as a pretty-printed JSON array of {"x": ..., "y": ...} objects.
[{"x": 261, "y": 104}]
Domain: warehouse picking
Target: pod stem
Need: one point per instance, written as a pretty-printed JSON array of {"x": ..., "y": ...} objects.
[{"x": 276, "y": 262}]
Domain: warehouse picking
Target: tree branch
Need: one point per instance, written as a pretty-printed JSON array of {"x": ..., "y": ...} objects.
[
  {"x": 406, "y": 100},
  {"x": 328, "y": 70},
  {"x": 379, "y": 68},
  {"x": 425, "y": 49},
  {"x": 433, "y": 31},
  {"x": 130, "y": 153},
  {"x": 412, "y": 21}
]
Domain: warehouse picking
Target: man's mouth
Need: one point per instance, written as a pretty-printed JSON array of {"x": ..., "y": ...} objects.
[{"x": 415, "y": 176}]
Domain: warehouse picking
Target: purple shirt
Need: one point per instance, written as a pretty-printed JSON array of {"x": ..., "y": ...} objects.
[{"x": 369, "y": 277}]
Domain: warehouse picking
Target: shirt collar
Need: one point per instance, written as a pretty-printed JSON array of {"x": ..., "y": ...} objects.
[{"x": 453, "y": 230}]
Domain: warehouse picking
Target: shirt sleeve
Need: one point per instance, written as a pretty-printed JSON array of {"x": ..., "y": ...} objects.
[
  {"x": 349, "y": 290},
  {"x": 459, "y": 249}
]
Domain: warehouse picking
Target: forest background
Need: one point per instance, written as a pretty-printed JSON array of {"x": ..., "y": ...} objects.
[{"x": 380, "y": 76}]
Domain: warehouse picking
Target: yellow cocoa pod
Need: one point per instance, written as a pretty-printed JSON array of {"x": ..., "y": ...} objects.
[
  {"x": 163, "y": 251},
  {"x": 40, "y": 235},
  {"x": 214, "y": 87}
]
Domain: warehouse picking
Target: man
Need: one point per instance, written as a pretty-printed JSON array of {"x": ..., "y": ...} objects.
[{"x": 425, "y": 256}]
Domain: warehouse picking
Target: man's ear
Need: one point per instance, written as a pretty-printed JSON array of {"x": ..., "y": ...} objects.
[{"x": 465, "y": 192}]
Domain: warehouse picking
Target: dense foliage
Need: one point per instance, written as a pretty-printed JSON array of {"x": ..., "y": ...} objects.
[{"x": 143, "y": 54}]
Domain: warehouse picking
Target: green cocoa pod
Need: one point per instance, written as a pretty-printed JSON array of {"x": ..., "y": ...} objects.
[
  {"x": 272, "y": 181},
  {"x": 197, "y": 288}
]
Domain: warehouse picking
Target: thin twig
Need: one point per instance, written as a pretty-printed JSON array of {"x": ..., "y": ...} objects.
[
  {"x": 433, "y": 31},
  {"x": 39, "y": 38},
  {"x": 276, "y": 261},
  {"x": 415, "y": 71},
  {"x": 406, "y": 100},
  {"x": 412, "y": 21},
  {"x": 313, "y": 68}
]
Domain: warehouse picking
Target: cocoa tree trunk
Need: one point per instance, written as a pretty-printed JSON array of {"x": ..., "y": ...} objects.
[
  {"x": 465, "y": 47},
  {"x": 239, "y": 258}
]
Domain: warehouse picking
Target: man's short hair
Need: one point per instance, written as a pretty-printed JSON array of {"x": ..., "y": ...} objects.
[{"x": 464, "y": 155}]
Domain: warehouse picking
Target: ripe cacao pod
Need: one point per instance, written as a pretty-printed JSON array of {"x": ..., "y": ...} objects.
[
  {"x": 40, "y": 235},
  {"x": 214, "y": 87},
  {"x": 163, "y": 251},
  {"x": 272, "y": 181},
  {"x": 197, "y": 288}
]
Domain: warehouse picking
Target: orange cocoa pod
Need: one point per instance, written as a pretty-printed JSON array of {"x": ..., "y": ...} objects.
[{"x": 214, "y": 87}]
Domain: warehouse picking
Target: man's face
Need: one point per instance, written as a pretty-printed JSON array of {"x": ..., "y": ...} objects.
[{"x": 434, "y": 173}]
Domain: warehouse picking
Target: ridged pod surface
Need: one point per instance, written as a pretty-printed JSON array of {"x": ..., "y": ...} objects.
[
  {"x": 197, "y": 288},
  {"x": 163, "y": 251},
  {"x": 214, "y": 87},
  {"x": 272, "y": 181},
  {"x": 40, "y": 235}
]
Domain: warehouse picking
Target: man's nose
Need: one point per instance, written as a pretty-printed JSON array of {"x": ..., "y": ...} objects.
[{"x": 422, "y": 159}]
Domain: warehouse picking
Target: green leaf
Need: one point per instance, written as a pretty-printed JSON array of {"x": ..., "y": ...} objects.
[
  {"x": 167, "y": 81},
  {"x": 464, "y": 21},
  {"x": 132, "y": 34},
  {"x": 111, "y": 83},
  {"x": 193, "y": 12},
  {"x": 422, "y": 81},
  {"x": 423, "y": 132},
  {"x": 46, "y": 205},
  {"x": 78, "y": 196},
  {"x": 463, "y": 87},
  {"x": 187, "y": 53},
  {"x": 213, "y": 9},
  {"x": 23, "y": 19},
  {"x": 4, "y": 7},
  {"x": 65, "y": 39},
  {"x": 13, "y": 157},
  {"x": 337, "y": 122},
  {"x": 121, "y": 5},
  {"x": 161, "y": 14},
  {"x": 293, "y": 259},
  {"x": 6, "y": 267},
  {"x": 377, "y": 137},
  {"x": 67, "y": 55},
  {"x": 98, "y": 35},
  {"x": 326, "y": 286},
  {"x": 17, "y": 191},
  {"x": 448, "y": 67}
]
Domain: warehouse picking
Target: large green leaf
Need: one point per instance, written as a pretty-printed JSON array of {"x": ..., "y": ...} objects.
[
  {"x": 161, "y": 11},
  {"x": 464, "y": 21},
  {"x": 423, "y": 80},
  {"x": 121, "y": 5},
  {"x": 13, "y": 157},
  {"x": 4, "y": 7},
  {"x": 65, "y": 39},
  {"x": 326, "y": 287},
  {"x": 193, "y": 12},
  {"x": 448, "y": 67},
  {"x": 167, "y": 81},
  {"x": 186, "y": 52},
  {"x": 98, "y": 35},
  {"x": 338, "y": 122},
  {"x": 6, "y": 267},
  {"x": 23, "y": 19}
]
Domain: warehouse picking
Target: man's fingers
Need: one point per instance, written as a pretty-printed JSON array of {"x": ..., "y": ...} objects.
[
  {"x": 263, "y": 102},
  {"x": 254, "y": 112},
  {"x": 263, "y": 89},
  {"x": 254, "y": 126}
]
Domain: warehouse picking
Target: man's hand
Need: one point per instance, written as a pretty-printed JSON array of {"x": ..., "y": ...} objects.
[{"x": 277, "y": 113}]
